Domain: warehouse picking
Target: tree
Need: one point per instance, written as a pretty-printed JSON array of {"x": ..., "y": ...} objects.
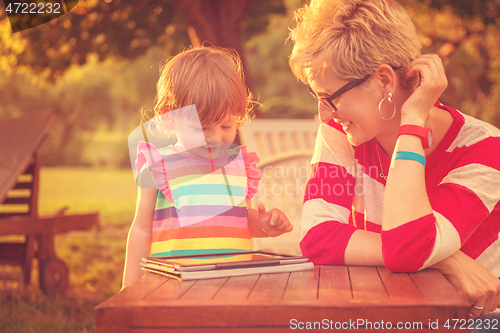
[
  {"x": 217, "y": 21},
  {"x": 127, "y": 28},
  {"x": 120, "y": 28},
  {"x": 116, "y": 30},
  {"x": 487, "y": 11},
  {"x": 465, "y": 34}
]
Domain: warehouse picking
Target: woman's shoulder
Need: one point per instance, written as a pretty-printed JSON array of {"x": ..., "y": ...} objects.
[
  {"x": 475, "y": 132},
  {"x": 479, "y": 126},
  {"x": 470, "y": 142},
  {"x": 332, "y": 145}
]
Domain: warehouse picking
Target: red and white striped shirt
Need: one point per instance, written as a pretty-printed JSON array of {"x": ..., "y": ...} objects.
[{"x": 345, "y": 192}]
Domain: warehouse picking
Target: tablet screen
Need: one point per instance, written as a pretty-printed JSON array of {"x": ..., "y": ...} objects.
[{"x": 227, "y": 260}]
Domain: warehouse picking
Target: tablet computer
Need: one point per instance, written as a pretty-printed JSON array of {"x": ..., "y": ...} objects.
[{"x": 204, "y": 266}]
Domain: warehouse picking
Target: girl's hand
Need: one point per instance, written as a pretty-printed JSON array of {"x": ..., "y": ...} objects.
[
  {"x": 474, "y": 282},
  {"x": 274, "y": 222},
  {"x": 433, "y": 82}
]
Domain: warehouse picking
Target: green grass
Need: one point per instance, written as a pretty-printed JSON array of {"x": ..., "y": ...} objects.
[
  {"x": 42, "y": 314},
  {"x": 95, "y": 258},
  {"x": 110, "y": 191}
]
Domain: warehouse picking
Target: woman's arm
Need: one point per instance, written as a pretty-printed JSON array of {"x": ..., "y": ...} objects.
[
  {"x": 364, "y": 249},
  {"x": 139, "y": 237},
  {"x": 405, "y": 197},
  {"x": 417, "y": 230},
  {"x": 475, "y": 283},
  {"x": 325, "y": 224}
]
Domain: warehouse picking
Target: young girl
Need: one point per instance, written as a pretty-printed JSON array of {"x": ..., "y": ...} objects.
[{"x": 202, "y": 184}]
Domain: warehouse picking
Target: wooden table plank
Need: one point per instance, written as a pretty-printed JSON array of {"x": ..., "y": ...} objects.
[
  {"x": 165, "y": 311},
  {"x": 269, "y": 287},
  {"x": 208, "y": 306},
  {"x": 273, "y": 302},
  {"x": 435, "y": 288},
  {"x": 438, "y": 292},
  {"x": 302, "y": 286},
  {"x": 237, "y": 288},
  {"x": 334, "y": 284},
  {"x": 400, "y": 287},
  {"x": 211, "y": 330},
  {"x": 170, "y": 290},
  {"x": 202, "y": 291},
  {"x": 136, "y": 291},
  {"x": 366, "y": 285},
  {"x": 115, "y": 314}
]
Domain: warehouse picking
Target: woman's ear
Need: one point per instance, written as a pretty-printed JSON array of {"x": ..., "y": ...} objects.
[{"x": 387, "y": 78}]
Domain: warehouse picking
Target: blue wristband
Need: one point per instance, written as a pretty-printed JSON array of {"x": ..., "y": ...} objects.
[{"x": 408, "y": 155}]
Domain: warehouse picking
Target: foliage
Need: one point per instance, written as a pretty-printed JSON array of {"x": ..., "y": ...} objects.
[
  {"x": 280, "y": 94},
  {"x": 107, "y": 95},
  {"x": 466, "y": 38},
  {"x": 111, "y": 28},
  {"x": 459, "y": 31},
  {"x": 98, "y": 64},
  {"x": 259, "y": 16},
  {"x": 104, "y": 96},
  {"x": 487, "y": 11},
  {"x": 20, "y": 94},
  {"x": 122, "y": 28}
]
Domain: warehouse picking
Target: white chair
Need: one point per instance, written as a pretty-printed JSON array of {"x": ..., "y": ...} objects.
[
  {"x": 270, "y": 137},
  {"x": 285, "y": 148}
]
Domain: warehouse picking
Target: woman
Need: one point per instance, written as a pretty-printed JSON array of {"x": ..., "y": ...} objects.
[{"x": 381, "y": 191}]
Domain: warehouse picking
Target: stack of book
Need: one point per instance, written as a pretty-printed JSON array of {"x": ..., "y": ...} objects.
[{"x": 205, "y": 266}]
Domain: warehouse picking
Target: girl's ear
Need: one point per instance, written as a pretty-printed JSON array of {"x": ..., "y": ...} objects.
[{"x": 387, "y": 78}]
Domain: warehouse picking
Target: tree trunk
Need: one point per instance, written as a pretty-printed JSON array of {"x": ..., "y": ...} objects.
[{"x": 218, "y": 22}]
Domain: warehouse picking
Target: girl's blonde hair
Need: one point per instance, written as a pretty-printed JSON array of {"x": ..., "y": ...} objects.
[
  {"x": 211, "y": 78},
  {"x": 351, "y": 38}
]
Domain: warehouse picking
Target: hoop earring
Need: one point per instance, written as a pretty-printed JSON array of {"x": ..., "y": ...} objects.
[{"x": 389, "y": 99}]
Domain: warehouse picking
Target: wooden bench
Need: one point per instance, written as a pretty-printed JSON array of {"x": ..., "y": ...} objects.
[
  {"x": 271, "y": 137},
  {"x": 285, "y": 148},
  {"x": 24, "y": 233}
]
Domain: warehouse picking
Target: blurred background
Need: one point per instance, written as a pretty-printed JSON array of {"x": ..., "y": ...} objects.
[{"x": 96, "y": 67}]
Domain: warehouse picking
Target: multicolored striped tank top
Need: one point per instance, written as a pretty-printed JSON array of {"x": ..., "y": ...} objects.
[{"x": 201, "y": 205}]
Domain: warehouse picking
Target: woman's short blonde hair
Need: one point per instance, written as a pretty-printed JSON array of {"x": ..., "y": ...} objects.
[
  {"x": 211, "y": 78},
  {"x": 351, "y": 38}
]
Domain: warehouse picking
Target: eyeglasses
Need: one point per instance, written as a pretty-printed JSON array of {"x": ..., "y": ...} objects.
[{"x": 328, "y": 101}]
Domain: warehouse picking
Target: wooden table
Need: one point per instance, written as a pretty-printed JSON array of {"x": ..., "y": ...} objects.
[{"x": 353, "y": 298}]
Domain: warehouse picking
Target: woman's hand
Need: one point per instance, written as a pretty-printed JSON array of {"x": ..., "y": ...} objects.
[
  {"x": 474, "y": 282},
  {"x": 433, "y": 82},
  {"x": 274, "y": 222}
]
